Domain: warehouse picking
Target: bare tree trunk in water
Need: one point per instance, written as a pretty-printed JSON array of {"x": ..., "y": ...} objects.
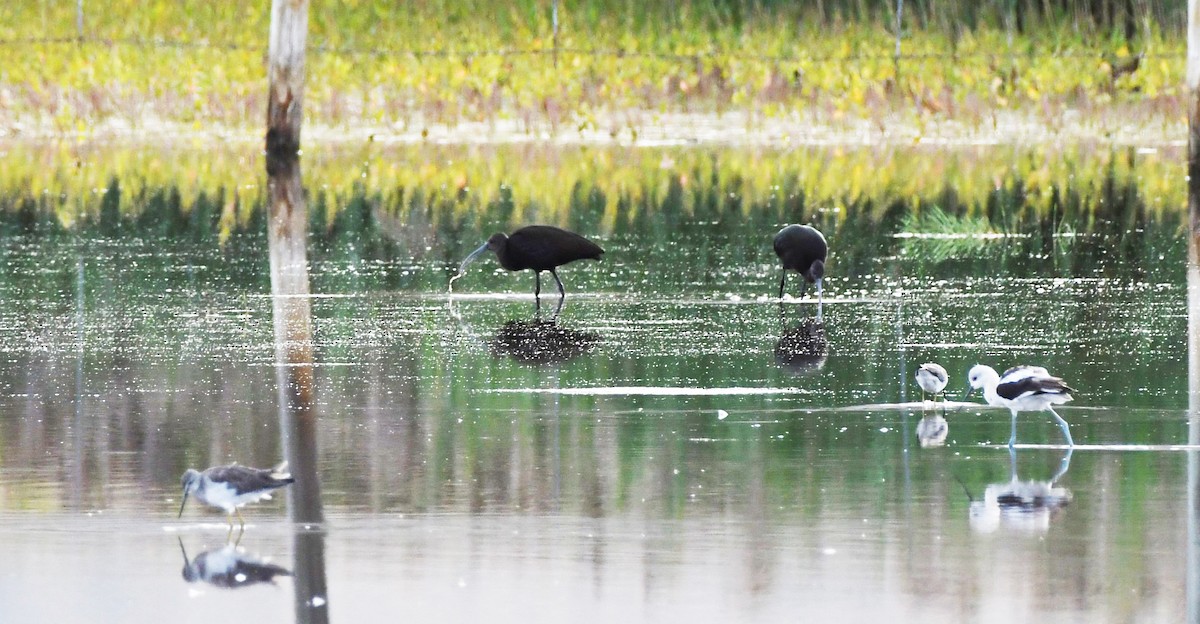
[
  {"x": 1193, "y": 289},
  {"x": 287, "y": 237}
]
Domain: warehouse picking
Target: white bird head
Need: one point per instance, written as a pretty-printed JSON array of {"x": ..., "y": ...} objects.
[{"x": 980, "y": 375}]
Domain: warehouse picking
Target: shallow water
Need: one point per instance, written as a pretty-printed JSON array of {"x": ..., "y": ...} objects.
[{"x": 675, "y": 445}]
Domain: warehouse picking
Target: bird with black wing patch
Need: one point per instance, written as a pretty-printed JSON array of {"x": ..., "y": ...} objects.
[{"x": 1022, "y": 389}]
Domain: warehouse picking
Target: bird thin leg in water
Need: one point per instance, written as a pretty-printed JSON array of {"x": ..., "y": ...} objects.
[
  {"x": 1063, "y": 466},
  {"x": 558, "y": 309},
  {"x": 537, "y": 284},
  {"x": 240, "y": 518},
  {"x": 562, "y": 293},
  {"x": 782, "y": 281},
  {"x": 1062, "y": 423},
  {"x": 820, "y": 296},
  {"x": 1013, "y": 439}
]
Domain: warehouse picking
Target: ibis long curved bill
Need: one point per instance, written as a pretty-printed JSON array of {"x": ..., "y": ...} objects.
[
  {"x": 185, "y": 495},
  {"x": 538, "y": 248},
  {"x": 462, "y": 268},
  {"x": 471, "y": 258}
]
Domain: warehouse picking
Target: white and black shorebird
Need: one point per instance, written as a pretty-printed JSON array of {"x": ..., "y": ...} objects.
[
  {"x": 802, "y": 248},
  {"x": 932, "y": 378},
  {"x": 230, "y": 487},
  {"x": 1022, "y": 389},
  {"x": 229, "y": 567}
]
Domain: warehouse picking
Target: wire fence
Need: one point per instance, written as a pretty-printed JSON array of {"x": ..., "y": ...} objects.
[{"x": 468, "y": 54}]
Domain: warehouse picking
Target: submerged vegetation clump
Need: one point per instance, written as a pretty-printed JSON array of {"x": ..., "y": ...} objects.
[{"x": 609, "y": 67}]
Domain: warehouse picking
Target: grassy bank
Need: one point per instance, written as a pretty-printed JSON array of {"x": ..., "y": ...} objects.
[{"x": 397, "y": 68}]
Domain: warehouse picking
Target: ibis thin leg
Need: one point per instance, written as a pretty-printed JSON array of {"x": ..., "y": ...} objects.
[
  {"x": 1013, "y": 439},
  {"x": 562, "y": 294},
  {"x": 782, "y": 281}
]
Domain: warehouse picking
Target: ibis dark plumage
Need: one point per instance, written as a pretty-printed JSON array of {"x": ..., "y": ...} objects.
[
  {"x": 801, "y": 248},
  {"x": 540, "y": 248}
]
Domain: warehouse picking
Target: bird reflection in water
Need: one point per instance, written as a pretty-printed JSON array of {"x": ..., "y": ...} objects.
[
  {"x": 932, "y": 430},
  {"x": 803, "y": 348},
  {"x": 541, "y": 340},
  {"x": 1020, "y": 505},
  {"x": 229, "y": 567}
]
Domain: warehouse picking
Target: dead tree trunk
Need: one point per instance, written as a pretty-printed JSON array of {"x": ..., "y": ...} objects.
[
  {"x": 287, "y": 238},
  {"x": 285, "y": 71},
  {"x": 1193, "y": 288}
]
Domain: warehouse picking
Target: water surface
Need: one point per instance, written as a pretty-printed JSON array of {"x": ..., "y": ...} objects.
[{"x": 674, "y": 445}]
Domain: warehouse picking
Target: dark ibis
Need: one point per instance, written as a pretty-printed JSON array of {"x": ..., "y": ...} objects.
[
  {"x": 802, "y": 249},
  {"x": 537, "y": 247}
]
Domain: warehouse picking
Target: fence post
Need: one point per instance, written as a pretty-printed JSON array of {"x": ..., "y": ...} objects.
[
  {"x": 1193, "y": 91},
  {"x": 1193, "y": 288},
  {"x": 554, "y": 26},
  {"x": 285, "y": 71},
  {"x": 899, "y": 15}
]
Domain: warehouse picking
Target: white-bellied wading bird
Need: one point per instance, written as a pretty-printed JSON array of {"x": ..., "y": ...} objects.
[
  {"x": 1022, "y": 389},
  {"x": 932, "y": 378},
  {"x": 230, "y": 487}
]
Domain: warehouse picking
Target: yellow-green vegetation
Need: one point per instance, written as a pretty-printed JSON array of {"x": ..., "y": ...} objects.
[
  {"x": 140, "y": 62},
  {"x": 546, "y": 184}
]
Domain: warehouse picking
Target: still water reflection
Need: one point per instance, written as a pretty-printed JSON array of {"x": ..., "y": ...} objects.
[
  {"x": 229, "y": 567},
  {"x": 671, "y": 446}
]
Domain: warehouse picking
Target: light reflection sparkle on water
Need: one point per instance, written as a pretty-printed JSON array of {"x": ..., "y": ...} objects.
[{"x": 461, "y": 482}]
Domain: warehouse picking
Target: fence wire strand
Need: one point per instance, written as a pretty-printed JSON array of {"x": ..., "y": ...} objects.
[{"x": 1180, "y": 54}]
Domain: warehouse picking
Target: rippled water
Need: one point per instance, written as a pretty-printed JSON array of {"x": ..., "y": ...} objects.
[{"x": 674, "y": 446}]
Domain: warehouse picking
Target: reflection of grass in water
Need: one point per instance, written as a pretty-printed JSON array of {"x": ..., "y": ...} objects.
[
  {"x": 934, "y": 235},
  {"x": 416, "y": 192}
]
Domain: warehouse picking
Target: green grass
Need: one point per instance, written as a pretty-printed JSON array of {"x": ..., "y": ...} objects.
[{"x": 417, "y": 64}]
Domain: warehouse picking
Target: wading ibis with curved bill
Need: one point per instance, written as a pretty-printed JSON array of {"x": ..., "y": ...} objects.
[
  {"x": 802, "y": 248},
  {"x": 1022, "y": 389},
  {"x": 537, "y": 247}
]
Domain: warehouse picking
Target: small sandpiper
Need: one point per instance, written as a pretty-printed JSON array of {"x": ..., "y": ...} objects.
[
  {"x": 230, "y": 487},
  {"x": 932, "y": 378}
]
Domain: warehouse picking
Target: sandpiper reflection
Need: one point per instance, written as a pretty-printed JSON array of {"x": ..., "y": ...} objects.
[
  {"x": 542, "y": 341},
  {"x": 803, "y": 348},
  {"x": 1020, "y": 505},
  {"x": 229, "y": 567},
  {"x": 932, "y": 430}
]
